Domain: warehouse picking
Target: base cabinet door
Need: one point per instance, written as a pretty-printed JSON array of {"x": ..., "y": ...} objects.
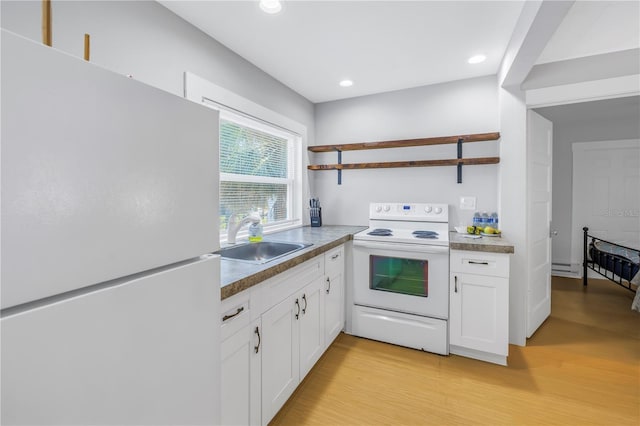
[
  {"x": 479, "y": 315},
  {"x": 334, "y": 293},
  {"x": 311, "y": 326},
  {"x": 292, "y": 343},
  {"x": 280, "y": 355},
  {"x": 240, "y": 377}
]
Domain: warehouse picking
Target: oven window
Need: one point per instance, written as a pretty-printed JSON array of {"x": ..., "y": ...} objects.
[{"x": 404, "y": 276}]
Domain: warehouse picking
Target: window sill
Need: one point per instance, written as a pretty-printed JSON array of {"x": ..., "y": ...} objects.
[{"x": 244, "y": 234}]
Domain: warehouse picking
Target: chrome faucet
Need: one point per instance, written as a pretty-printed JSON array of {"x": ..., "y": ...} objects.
[{"x": 234, "y": 225}]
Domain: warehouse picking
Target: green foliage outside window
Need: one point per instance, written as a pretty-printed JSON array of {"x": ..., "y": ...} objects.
[{"x": 244, "y": 153}]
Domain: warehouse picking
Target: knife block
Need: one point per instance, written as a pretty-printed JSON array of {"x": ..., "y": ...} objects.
[{"x": 316, "y": 220}]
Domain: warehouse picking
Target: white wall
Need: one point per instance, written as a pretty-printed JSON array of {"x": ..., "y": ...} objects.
[
  {"x": 513, "y": 205},
  {"x": 457, "y": 108},
  {"x": 146, "y": 40},
  {"x": 565, "y": 134}
]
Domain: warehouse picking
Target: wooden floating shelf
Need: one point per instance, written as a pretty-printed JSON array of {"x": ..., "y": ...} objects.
[
  {"x": 480, "y": 137},
  {"x": 459, "y": 161},
  {"x": 394, "y": 164}
]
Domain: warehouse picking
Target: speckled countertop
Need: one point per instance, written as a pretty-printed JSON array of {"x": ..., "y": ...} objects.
[
  {"x": 238, "y": 276},
  {"x": 486, "y": 244}
]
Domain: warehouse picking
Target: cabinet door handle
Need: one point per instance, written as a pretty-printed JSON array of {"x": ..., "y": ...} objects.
[
  {"x": 328, "y": 285},
  {"x": 335, "y": 256},
  {"x": 304, "y": 298},
  {"x": 298, "y": 305},
  {"x": 478, "y": 263},
  {"x": 257, "y": 347},
  {"x": 455, "y": 283},
  {"x": 226, "y": 317}
]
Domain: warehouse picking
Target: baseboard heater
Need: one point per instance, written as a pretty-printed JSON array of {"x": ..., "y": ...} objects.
[
  {"x": 565, "y": 270},
  {"x": 562, "y": 267}
]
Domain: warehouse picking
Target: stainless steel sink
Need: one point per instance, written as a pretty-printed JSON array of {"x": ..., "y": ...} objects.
[{"x": 261, "y": 252}]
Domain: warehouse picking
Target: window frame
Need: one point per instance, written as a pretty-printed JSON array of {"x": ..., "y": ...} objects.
[
  {"x": 199, "y": 90},
  {"x": 292, "y": 142}
]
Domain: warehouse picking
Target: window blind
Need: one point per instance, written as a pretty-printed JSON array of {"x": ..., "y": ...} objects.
[{"x": 255, "y": 173}]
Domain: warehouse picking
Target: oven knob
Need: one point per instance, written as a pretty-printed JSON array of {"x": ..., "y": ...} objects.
[
  {"x": 438, "y": 210},
  {"x": 427, "y": 209},
  {"x": 387, "y": 208},
  {"x": 378, "y": 209}
]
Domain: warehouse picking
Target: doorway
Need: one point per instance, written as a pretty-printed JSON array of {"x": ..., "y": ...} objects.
[{"x": 605, "y": 121}]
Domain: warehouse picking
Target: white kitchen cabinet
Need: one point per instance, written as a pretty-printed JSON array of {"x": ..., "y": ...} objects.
[
  {"x": 275, "y": 332},
  {"x": 292, "y": 343},
  {"x": 311, "y": 322},
  {"x": 479, "y": 305},
  {"x": 334, "y": 293},
  {"x": 240, "y": 379},
  {"x": 280, "y": 355},
  {"x": 241, "y": 354}
]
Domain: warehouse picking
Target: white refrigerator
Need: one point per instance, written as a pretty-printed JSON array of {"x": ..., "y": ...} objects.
[{"x": 109, "y": 294}]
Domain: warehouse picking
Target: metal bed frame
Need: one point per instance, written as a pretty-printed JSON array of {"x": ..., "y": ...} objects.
[{"x": 608, "y": 258}]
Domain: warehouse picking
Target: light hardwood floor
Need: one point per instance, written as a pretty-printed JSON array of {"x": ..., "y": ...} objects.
[{"x": 581, "y": 367}]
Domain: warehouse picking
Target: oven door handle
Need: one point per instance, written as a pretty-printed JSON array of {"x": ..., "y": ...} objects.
[{"x": 415, "y": 248}]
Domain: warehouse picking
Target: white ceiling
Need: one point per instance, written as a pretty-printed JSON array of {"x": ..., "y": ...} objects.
[
  {"x": 381, "y": 45},
  {"x": 594, "y": 27},
  {"x": 389, "y": 45}
]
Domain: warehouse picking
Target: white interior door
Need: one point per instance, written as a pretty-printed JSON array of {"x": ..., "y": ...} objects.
[
  {"x": 539, "y": 165},
  {"x": 606, "y": 199}
]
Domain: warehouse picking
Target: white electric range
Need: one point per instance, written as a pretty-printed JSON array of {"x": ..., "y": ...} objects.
[{"x": 401, "y": 276}]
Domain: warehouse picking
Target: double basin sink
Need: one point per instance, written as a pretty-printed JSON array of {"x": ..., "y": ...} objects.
[{"x": 260, "y": 252}]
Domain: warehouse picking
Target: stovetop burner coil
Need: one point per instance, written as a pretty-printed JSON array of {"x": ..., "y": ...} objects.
[
  {"x": 425, "y": 233},
  {"x": 381, "y": 232}
]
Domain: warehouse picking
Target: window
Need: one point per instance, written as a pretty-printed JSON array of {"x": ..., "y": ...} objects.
[
  {"x": 256, "y": 171},
  {"x": 260, "y": 158}
]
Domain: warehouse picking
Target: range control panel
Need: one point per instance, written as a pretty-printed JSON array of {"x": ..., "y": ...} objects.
[{"x": 426, "y": 212}]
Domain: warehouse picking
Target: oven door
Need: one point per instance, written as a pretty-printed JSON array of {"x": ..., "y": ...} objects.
[{"x": 411, "y": 278}]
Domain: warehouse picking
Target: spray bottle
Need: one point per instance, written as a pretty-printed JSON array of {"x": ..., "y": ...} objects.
[{"x": 255, "y": 232}]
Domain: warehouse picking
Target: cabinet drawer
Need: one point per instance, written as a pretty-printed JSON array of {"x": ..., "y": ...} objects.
[
  {"x": 281, "y": 286},
  {"x": 334, "y": 261},
  {"x": 235, "y": 314},
  {"x": 480, "y": 263}
]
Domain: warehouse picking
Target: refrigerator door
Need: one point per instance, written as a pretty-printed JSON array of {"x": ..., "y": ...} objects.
[
  {"x": 145, "y": 351},
  {"x": 102, "y": 176}
]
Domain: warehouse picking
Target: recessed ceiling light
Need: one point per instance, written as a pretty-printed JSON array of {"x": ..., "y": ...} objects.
[
  {"x": 270, "y": 6},
  {"x": 477, "y": 59},
  {"x": 346, "y": 83}
]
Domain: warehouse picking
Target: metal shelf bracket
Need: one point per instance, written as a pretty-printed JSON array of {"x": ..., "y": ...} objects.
[
  {"x": 459, "y": 157},
  {"x": 339, "y": 162}
]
